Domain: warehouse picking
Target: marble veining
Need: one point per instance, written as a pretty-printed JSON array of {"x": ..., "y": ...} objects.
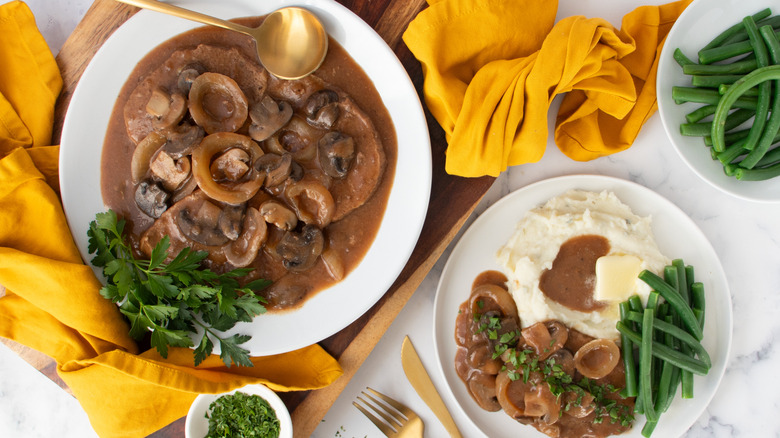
[{"x": 744, "y": 234}]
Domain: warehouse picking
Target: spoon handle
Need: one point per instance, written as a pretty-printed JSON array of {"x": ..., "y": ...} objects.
[{"x": 187, "y": 14}]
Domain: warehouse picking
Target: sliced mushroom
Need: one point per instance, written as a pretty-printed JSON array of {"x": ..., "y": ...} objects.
[
  {"x": 235, "y": 192},
  {"x": 541, "y": 402},
  {"x": 187, "y": 76},
  {"x": 243, "y": 250},
  {"x": 182, "y": 139},
  {"x": 482, "y": 388},
  {"x": 336, "y": 153},
  {"x": 322, "y": 108},
  {"x": 217, "y": 103},
  {"x": 546, "y": 337},
  {"x": 297, "y": 138},
  {"x": 185, "y": 189},
  {"x": 578, "y": 404},
  {"x": 199, "y": 221},
  {"x": 268, "y": 116},
  {"x": 230, "y": 219},
  {"x": 312, "y": 202},
  {"x": 151, "y": 198},
  {"x": 231, "y": 165},
  {"x": 173, "y": 114},
  {"x": 597, "y": 358},
  {"x": 277, "y": 214},
  {"x": 142, "y": 155},
  {"x": 171, "y": 173},
  {"x": 487, "y": 297},
  {"x": 159, "y": 103},
  {"x": 300, "y": 251},
  {"x": 480, "y": 357},
  {"x": 276, "y": 168},
  {"x": 510, "y": 393}
]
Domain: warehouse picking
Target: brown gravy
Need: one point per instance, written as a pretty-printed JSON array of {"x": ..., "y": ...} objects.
[
  {"x": 350, "y": 236},
  {"x": 572, "y": 278}
]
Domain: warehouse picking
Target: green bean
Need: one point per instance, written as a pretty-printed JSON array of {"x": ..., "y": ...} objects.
[
  {"x": 730, "y": 137},
  {"x": 727, "y": 100},
  {"x": 708, "y": 96},
  {"x": 700, "y": 113},
  {"x": 709, "y": 56},
  {"x": 713, "y": 81},
  {"x": 668, "y": 354},
  {"x": 772, "y": 156},
  {"x": 758, "y": 173},
  {"x": 735, "y": 29},
  {"x": 635, "y": 303},
  {"x": 732, "y": 152},
  {"x": 766, "y": 138},
  {"x": 764, "y": 98},
  {"x": 680, "y": 57},
  {"x": 648, "y": 428},
  {"x": 722, "y": 88},
  {"x": 645, "y": 365},
  {"x": 627, "y": 348},
  {"x": 678, "y": 334},
  {"x": 773, "y": 21},
  {"x": 700, "y": 129},
  {"x": 665, "y": 384},
  {"x": 698, "y": 300},
  {"x": 743, "y": 66},
  {"x": 675, "y": 300}
]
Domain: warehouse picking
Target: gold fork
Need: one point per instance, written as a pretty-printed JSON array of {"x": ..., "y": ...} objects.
[{"x": 396, "y": 419}]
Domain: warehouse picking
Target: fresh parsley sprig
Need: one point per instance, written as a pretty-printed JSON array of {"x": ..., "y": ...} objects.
[{"x": 176, "y": 301}]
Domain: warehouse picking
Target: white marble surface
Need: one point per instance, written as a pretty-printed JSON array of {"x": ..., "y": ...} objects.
[{"x": 744, "y": 234}]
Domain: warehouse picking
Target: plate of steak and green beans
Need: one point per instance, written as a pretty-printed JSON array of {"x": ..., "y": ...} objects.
[{"x": 718, "y": 89}]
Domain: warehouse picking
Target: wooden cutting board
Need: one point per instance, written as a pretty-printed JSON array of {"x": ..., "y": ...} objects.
[{"x": 452, "y": 199}]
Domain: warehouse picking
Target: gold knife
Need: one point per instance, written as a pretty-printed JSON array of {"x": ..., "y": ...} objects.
[{"x": 421, "y": 382}]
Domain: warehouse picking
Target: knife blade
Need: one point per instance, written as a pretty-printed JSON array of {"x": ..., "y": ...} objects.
[{"x": 421, "y": 382}]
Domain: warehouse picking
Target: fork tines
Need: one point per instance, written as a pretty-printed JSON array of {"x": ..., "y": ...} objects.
[{"x": 393, "y": 414}]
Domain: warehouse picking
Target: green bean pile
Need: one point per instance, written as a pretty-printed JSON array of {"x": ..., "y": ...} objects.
[
  {"x": 661, "y": 342},
  {"x": 737, "y": 80}
]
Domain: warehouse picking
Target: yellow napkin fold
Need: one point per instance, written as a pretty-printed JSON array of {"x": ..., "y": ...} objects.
[
  {"x": 493, "y": 67},
  {"x": 49, "y": 298}
]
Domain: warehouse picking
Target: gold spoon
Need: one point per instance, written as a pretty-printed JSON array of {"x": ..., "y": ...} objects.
[{"x": 291, "y": 42}]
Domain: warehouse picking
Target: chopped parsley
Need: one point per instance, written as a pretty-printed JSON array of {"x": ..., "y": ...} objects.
[{"x": 242, "y": 415}]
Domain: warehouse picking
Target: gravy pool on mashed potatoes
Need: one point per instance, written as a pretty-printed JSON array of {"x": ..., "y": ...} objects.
[{"x": 536, "y": 242}]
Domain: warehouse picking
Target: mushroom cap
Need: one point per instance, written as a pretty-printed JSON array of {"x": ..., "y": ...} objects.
[
  {"x": 217, "y": 103},
  {"x": 301, "y": 250},
  {"x": 336, "y": 154},
  {"x": 268, "y": 116}
]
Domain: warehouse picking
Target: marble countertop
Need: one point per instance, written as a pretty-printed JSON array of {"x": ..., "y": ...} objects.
[{"x": 745, "y": 235}]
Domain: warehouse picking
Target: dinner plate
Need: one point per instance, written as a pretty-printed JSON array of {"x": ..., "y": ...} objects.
[
  {"x": 677, "y": 237},
  {"x": 698, "y": 24},
  {"x": 332, "y": 309}
]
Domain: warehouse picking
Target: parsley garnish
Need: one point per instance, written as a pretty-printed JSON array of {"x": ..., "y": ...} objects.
[
  {"x": 242, "y": 415},
  {"x": 174, "y": 300}
]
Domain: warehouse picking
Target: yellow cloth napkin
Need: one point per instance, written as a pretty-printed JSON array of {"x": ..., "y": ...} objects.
[
  {"x": 50, "y": 300},
  {"x": 493, "y": 67}
]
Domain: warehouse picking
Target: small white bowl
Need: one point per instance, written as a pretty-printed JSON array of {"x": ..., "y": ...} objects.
[
  {"x": 197, "y": 425},
  {"x": 698, "y": 24}
]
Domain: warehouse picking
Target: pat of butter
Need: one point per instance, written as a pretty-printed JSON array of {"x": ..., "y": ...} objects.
[{"x": 616, "y": 277}]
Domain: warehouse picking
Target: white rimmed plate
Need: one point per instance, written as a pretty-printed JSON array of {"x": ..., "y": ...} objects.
[
  {"x": 196, "y": 424},
  {"x": 677, "y": 237},
  {"x": 330, "y": 310},
  {"x": 698, "y": 24}
]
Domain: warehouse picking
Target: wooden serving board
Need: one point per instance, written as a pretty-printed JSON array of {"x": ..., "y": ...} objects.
[{"x": 452, "y": 199}]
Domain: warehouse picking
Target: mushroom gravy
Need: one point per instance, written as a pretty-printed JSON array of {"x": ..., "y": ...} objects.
[
  {"x": 549, "y": 376},
  {"x": 289, "y": 178}
]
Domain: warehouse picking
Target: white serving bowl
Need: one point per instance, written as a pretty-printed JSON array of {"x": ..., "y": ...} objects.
[{"x": 699, "y": 23}]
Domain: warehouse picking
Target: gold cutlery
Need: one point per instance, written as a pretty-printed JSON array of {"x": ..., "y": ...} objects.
[
  {"x": 397, "y": 421},
  {"x": 421, "y": 382}
]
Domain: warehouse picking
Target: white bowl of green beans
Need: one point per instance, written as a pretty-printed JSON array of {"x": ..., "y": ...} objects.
[{"x": 718, "y": 89}]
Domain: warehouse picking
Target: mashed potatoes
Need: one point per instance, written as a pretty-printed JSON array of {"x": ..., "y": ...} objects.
[{"x": 539, "y": 235}]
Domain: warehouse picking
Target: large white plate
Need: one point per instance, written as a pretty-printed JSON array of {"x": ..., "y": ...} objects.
[
  {"x": 677, "y": 237},
  {"x": 699, "y": 23},
  {"x": 333, "y": 309}
]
